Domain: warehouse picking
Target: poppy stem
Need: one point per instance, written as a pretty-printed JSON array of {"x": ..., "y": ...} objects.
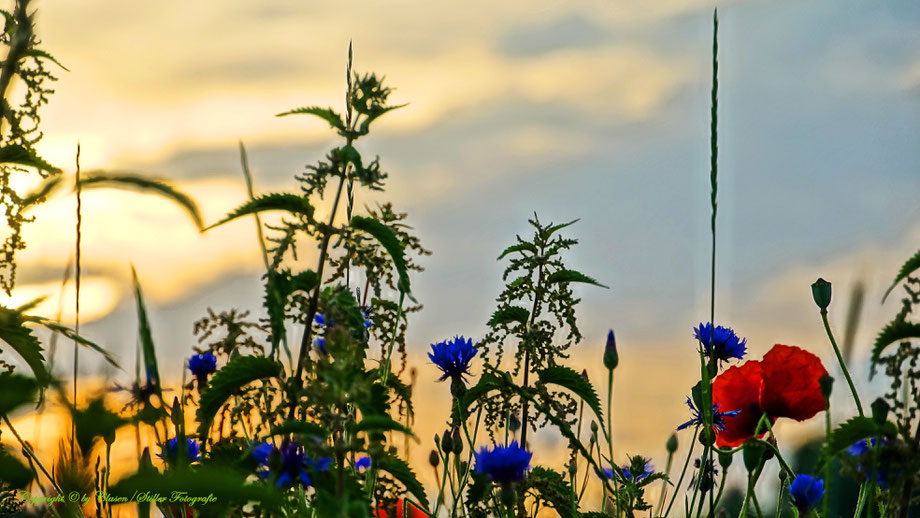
[{"x": 843, "y": 365}]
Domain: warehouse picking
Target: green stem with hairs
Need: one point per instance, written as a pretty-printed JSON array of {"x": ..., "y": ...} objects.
[{"x": 843, "y": 365}]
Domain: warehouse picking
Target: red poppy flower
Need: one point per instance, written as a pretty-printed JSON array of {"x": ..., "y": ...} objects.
[
  {"x": 413, "y": 511},
  {"x": 784, "y": 384}
]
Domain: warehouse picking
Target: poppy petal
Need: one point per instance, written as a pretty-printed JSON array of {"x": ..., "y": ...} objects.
[
  {"x": 791, "y": 383},
  {"x": 738, "y": 388}
]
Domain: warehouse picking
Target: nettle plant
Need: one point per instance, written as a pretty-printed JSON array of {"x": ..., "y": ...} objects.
[{"x": 312, "y": 427}]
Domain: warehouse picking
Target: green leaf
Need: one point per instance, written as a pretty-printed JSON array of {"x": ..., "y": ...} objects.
[
  {"x": 520, "y": 247},
  {"x": 100, "y": 179},
  {"x": 44, "y": 189},
  {"x": 21, "y": 339},
  {"x": 549, "y": 231},
  {"x": 227, "y": 486},
  {"x": 570, "y": 380},
  {"x": 508, "y": 314},
  {"x": 856, "y": 429},
  {"x": 19, "y": 155},
  {"x": 380, "y": 423},
  {"x": 292, "y": 203},
  {"x": 387, "y": 238},
  {"x": 554, "y": 489},
  {"x": 71, "y": 334},
  {"x": 37, "y": 53},
  {"x": 365, "y": 125},
  {"x": 148, "y": 349},
  {"x": 348, "y": 154},
  {"x": 95, "y": 421},
  {"x": 13, "y": 473},
  {"x": 15, "y": 391},
  {"x": 404, "y": 474},
  {"x": 239, "y": 372},
  {"x": 479, "y": 488},
  {"x": 300, "y": 428},
  {"x": 571, "y": 276},
  {"x": 487, "y": 383},
  {"x": 906, "y": 269},
  {"x": 896, "y": 330},
  {"x": 327, "y": 114}
]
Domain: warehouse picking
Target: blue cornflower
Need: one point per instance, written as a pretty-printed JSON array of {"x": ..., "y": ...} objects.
[
  {"x": 648, "y": 470},
  {"x": 202, "y": 365},
  {"x": 320, "y": 345},
  {"x": 864, "y": 447},
  {"x": 453, "y": 357},
  {"x": 287, "y": 464},
  {"x": 718, "y": 416},
  {"x": 806, "y": 491},
  {"x": 725, "y": 343},
  {"x": 322, "y": 321},
  {"x": 363, "y": 463},
  {"x": 503, "y": 464},
  {"x": 170, "y": 450},
  {"x": 368, "y": 322}
]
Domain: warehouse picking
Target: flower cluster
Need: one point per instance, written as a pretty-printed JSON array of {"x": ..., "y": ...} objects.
[{"x": 786, "y": 383}]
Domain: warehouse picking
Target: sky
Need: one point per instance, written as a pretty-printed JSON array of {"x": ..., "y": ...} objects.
[{"x": 590, "y": 110}]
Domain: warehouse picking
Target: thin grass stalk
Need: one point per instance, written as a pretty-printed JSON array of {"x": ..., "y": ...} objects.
[{"x": 683, "y": 471}]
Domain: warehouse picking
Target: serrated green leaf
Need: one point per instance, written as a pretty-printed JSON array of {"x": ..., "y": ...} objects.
[
  {"x": 487, "y": 383},
  {"x": 15, "y": 391},
  {"x": 300, "y": 428},
  {"x": 520, "y": 247},
  {"x": 19, "y": 155},
  {"x": 549, "y": 231},
  {"x": 102, "y": 179},
  {"x": 568, "y": 379},
  {"x": 380, "y": 423},
  {"x": 509, "y": 314},
  {"x": 148, "y": 349},
  {"x": 404, "y": 474},
  {"x": 554, "y": 489},
  {"x": 227, "y": 486},
  {"x": 13, "y": 473},
  {"x": 348, "y": 154},
  {"x": 479, "y": 488},
  {"x": 366, "y": 123},
  {"x": 387, "y": 238},
  {"x": 21, "y": 339},
  {"x": 37, "y": 53},
  {"x": 239, "y": 372},
  {"x": 896, "y": 330},
  {"x": 327, "y": 114},
  {"x": 403, "y": 391},
  {"x": 856, "y": 429},
  {"x": 907, "y": 268},
  {"x": 288, "y": 202},
  {"x": 571, "y": 276}
]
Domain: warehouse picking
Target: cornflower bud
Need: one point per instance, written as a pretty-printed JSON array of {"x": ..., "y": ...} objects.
[
  {"x": 434, "y": 459},
  {"x": 611, "y": 358},
  {"x": 457, "y": 441},
  {"x": 671, "y": 445}
]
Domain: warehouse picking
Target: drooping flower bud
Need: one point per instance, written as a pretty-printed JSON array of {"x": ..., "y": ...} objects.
[
  {"x": 611, "y": 358},
  {"x": 821, "y": 292}
]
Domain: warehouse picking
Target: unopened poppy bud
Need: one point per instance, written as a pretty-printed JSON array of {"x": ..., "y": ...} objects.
[
  {"x": 433, "y": 459},
  {"x": 725, "y": 459},
  {"x": 821, "y": 292},
  {"x": 611, "y": 358},
  {"x": 671, "y": 445},
  {"x": 447, "y": 444},
  {"x": 753, "y": 454},
  {"x": 707, "y": 436},
  {"x": 827, "y": 385},
  {"x": 593, "y": 427},
  {"x": 457, "y": 442},
  {"x": 782, "y": 476},
  {"x": 880, "y": 409}
]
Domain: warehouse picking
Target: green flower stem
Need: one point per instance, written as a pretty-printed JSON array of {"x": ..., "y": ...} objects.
[
  {"x": 828, "y": 473},
  {"x": 863, "y": 493},
  {"x": 664, "y": 485},
  {"x": 683, "y": 471},
  {"x": 437, "y": 506},
  {"x": 712, "y": 506},
  {"x": 471, "y": 442},
  {"x": 31, "y": 454},
  {"x": 843, "y": 365},
  {"x": 609, "y": 433},
  {"x": 756, "y": 505},
  {"x": 779, "y": 456},
  {"x": 747, "y": 495},
  {"x": 779, "y": 500}
]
